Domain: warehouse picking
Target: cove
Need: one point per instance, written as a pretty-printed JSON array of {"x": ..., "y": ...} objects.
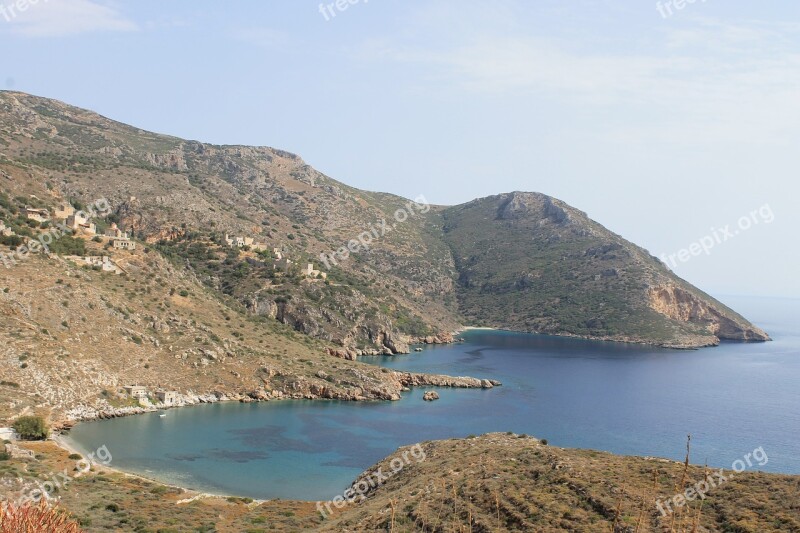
[{"x": 622, "y": 398}]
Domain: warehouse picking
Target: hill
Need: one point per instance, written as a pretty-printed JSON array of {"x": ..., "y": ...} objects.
[
  {"x": 529, "y": 262},
  {"x": 496, "y": 482},
  {"x": 412, "y": 273}
]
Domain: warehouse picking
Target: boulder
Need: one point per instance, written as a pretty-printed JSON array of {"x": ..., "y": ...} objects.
[{"x": 430, "y": 396}]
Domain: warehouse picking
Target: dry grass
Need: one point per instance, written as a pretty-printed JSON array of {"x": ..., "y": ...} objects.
[{"x": 501, "y": 482}]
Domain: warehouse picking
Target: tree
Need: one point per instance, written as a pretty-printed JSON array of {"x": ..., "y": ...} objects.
[{"x": 31, "y": 428}]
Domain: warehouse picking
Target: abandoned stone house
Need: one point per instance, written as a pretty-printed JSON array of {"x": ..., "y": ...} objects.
[
  {"x": 63, "y": 211},
  {"x": 310, "y": 272},
  {"x": 81, "y": 222},
  {"x": 39, "y": 215},
  {"x": 283, "y": 264},
  {"x": 104, "y": 263},
  {"x": 124, "y": 244},
  {"x": 167, "y": 397},
  {"x": 136, "y": 391},
  {"x": 114, "y": 232}
]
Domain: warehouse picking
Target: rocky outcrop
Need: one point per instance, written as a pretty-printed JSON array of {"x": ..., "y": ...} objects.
[
  {"x": 430, "y": 396},
  {"x": 15, "y": 452},
  {"x": 441, "y": 338},
  {"x": 409, "y": 379},
  {"x": 375, "y": 334},
  {"x": 681, "y": 305}
]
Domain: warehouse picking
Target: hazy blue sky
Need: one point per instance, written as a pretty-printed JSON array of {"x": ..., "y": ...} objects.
[{"x": 661, "y": 126}]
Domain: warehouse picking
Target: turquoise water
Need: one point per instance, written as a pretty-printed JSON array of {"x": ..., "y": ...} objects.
[{"x": 616, "y": 397}]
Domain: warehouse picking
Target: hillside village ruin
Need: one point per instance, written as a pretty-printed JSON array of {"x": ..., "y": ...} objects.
[{"x": 81, "y": 224}]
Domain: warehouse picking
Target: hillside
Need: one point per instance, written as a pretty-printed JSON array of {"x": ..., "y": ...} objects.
[
  {"x": 496, "y": 482},
  {"x": 528, "y": 262},
  {"x": 505, "y": 482},
  {"x": 425, "y": 270}
]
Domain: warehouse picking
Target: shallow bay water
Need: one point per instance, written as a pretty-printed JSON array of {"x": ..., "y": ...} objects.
[{"x": 622, "y": 398}]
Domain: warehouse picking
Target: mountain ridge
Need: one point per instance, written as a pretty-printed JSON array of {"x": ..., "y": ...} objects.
[{"x": 420, "y": 282}]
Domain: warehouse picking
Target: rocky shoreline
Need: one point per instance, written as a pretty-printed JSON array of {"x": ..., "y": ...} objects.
[{"x": 300, "y": 389}]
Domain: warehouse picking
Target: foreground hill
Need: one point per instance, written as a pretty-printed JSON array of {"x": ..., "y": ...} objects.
[
  {"x": 519, "y": 261},
  {"x": 497, "y": 483}
]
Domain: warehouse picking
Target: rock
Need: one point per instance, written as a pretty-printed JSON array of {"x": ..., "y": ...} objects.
[
  {"x": 15, "y": 452},
  {"x": 441, "y": 338},
  {"x": 260, "y": 395},
  {"x": 210, "y": 354},
  {"x": 430, "y": 396}
]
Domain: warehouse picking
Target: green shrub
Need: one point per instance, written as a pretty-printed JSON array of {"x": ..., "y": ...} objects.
[{"x": 31, "y": 428}]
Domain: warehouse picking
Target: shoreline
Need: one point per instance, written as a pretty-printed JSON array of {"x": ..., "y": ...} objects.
[
  {"x": 61, "y": 441},
  {"x": 640, "y": 342},
  {"x": 64, "y": 442}
]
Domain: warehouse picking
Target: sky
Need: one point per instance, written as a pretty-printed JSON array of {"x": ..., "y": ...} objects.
[{"x": 675, "y": 124}]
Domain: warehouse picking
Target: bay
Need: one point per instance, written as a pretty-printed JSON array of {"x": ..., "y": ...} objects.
[{"x": 622, "y": 398}]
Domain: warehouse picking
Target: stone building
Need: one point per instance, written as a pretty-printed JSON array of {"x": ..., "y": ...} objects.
[
  {"x": 167, "y": 397},
  {"x": 39, "y": 215},
  {"x": 124, "y": 244},
  {"x": 136, "y": 391}
]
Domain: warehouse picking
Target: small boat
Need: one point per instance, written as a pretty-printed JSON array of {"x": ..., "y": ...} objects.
[{"x": 162, "y": 415}]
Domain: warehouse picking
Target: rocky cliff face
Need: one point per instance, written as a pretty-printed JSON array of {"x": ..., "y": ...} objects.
[{"x": 684, "y": 306}]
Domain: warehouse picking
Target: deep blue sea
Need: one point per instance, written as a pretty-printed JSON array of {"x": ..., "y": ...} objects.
[{"x": 621, "y": 398}]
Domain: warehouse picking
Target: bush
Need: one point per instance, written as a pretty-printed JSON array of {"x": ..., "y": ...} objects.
[
  {"x": 67, "y": 245},
  {"x": 12, "y": 241},
  {"x": 75, "y": 456},
  {"x": 31, "y": 428}
]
